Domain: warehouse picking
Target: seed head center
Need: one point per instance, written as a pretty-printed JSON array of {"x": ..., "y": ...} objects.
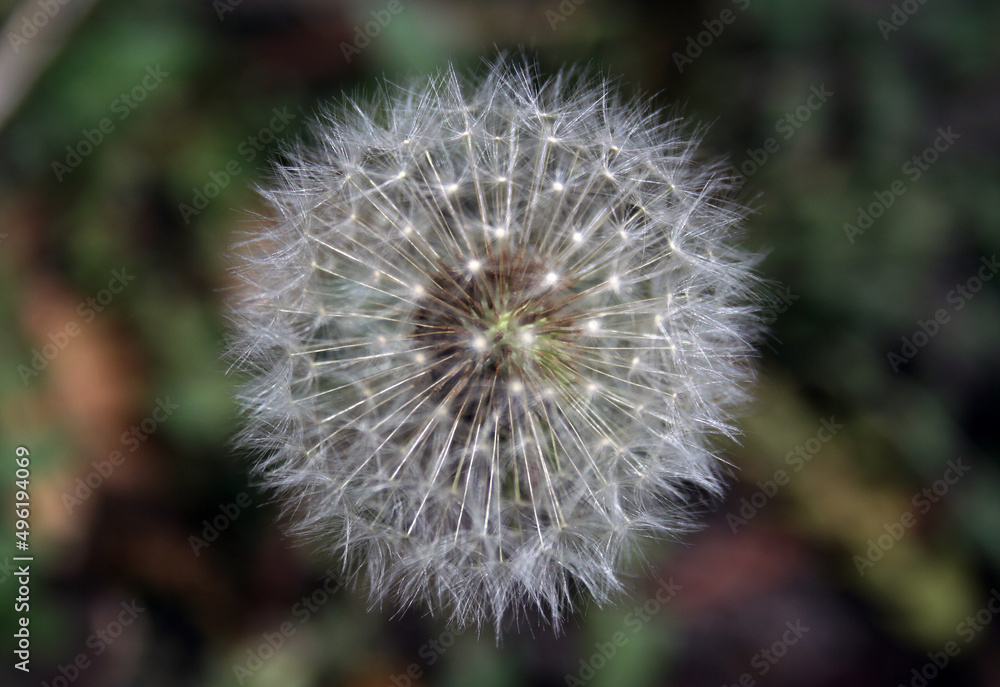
[
  {"x": 504, "y": 336},
  {"x": 507, "y": 322}
]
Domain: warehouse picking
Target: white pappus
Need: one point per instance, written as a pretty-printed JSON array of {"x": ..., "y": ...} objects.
[{"x": 489, "y": 336}]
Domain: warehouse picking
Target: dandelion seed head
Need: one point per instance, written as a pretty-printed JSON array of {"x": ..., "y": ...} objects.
[{"x": 487, "y": 348}]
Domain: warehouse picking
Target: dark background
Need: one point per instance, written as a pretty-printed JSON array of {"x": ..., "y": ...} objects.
[{"x": 80, "y": 381}]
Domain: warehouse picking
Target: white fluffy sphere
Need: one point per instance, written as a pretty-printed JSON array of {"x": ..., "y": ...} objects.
[{"x": 490, "y": 335}]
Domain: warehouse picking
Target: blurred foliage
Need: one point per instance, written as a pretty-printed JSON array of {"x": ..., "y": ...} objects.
[{"x": 840, "y": 307}]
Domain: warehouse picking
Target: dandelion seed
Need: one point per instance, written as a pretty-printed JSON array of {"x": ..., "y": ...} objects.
[{"x": 513, "y": 385}]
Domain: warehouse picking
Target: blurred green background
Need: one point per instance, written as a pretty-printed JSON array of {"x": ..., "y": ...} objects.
[{"x": 860, "y": 543}]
